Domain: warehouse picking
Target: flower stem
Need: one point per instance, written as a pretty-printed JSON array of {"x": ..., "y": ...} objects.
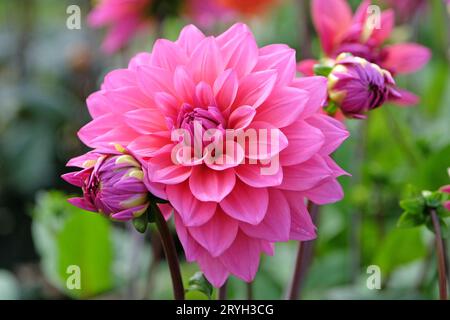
[
  {"x": 170, "y": 251},
  {"x": 304, "y": 259},
  {"x": 223, "y": 292},
  {"x": 440, "y": 256},
  {"x": 250, "y": 291}
]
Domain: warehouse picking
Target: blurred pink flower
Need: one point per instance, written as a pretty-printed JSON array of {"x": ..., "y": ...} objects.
[
  {"x": 112, "y": 185},
  {"x": 446, "y": 189},
  {"x": 226, "y": 214},
  {"x": 125, "y": 18},
  {"x": 340, "y": 32}
]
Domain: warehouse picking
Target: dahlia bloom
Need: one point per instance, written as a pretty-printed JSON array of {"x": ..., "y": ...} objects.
[
  {"x": 357, "y": 86},
  {"x": 112, "y": 185},
  {"x": 226, "y": 212},
  {"x": 340, "y": 32}
]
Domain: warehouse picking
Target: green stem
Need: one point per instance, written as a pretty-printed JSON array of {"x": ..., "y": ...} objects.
[{"x": 170, "y": 252}]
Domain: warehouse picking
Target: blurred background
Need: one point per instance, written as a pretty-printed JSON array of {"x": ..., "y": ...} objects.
[{"x": 46, "y": 73}]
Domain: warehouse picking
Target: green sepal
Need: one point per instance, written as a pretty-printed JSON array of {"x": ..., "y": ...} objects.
[
  {"x": 322, "y": 70},
  {"x": 198, "y": 282},
  {"x": 141, "y": 223}
]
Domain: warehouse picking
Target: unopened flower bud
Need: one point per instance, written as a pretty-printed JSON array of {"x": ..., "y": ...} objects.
[
  {"x": 357, "y": 86},
  {"x": 112, "y": 185}
]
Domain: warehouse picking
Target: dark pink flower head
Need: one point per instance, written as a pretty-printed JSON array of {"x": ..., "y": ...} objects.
[
  {"x": 232, "y": 198},
  {"x": 357, "y": 86},
  {"x": 363, "y": 35},
  {"x": 112, "y": 185},
  {"x": 446, "y": 189}
]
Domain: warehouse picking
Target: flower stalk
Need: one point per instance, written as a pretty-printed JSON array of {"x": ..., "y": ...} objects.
[
  {"x": 170, "y": 252},
  {"x": 440, "y": 255}
]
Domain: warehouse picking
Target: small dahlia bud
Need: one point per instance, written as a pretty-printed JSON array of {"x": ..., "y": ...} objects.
[
  {"x": 112, "y": 185},
  {"x": 357, "y": 86}
]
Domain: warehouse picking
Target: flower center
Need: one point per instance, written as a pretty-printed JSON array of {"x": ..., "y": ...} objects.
[{"x": 198, "y": 120}]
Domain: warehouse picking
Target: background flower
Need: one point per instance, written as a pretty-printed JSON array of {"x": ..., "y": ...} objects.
[{"x": 339, "y": 32}]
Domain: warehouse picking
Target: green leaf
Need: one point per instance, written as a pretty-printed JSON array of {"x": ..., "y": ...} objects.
[
  {"x": 399, "y": 247},
  {"x": 66, "y": 238},
  {"x": 410, "y": 219},
  {"x": 198, "y": 282},
  {"x": 413, "y": 206}
]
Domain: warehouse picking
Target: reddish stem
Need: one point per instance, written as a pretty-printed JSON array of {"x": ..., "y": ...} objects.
[{"x": 440, "y": 256}]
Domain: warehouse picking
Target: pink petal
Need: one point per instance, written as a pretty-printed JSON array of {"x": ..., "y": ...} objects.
[
  {"x": 153, "y": 79},
  {"x": 255, "y": 87},
  {"x": 204, "y": 96},
  {"x": 184, "y": 85},
  {"x": 211, "y": 185},
  {"x": 217, "y": 234},
  {"x": 386, "y": 25},
  {"x": 306, "y": 67},
  {"x": 192, "y": 211},
  {"x": 189, "y": 38},
  {"x": 168, "y": 55},
  {"x": 306, "y": 175},
  {"x": 119, "y": 78},
  {"x": 143, "y": 58},
  {"x": 283, "y": 106},
  {"x": 406, "y": 98},
  {"x": 146, "y": 121},
  {"x": 82, "y": 204},
  {"x": 225, "y": 89},
  {"x": 242, "y": 258},
  {"x": 213, "y": 269},
  {"x": 241, "y": 117},
  {"x": 405, "y": 57},
  {"x": 206, "y": 63},
  {"x": 162, "y": 169},
  {"x": 278, "y": 57},
  {"x": 333, "y": 130},
  {"x": 317, "y": 89},
  {"x": 276, "y": 225},
  {"x": 149, "y": 145},
  {"x": 270, "y": 141},
  {"x": 445, "y": 189},
  {"x": 239, "y": 53},
  {"x": 328, "y": 191},
  {"x": 191, "y": 248},
  {"x": 304, "y": 141},
  {"x": 302, "y": 227},
  {"x": 246, "y": 203},
  {"x": 251, "y": 174},
  {"x": 332, "y": 20}
]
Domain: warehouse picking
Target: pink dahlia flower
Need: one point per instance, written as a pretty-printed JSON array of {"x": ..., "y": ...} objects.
[
  {"x": 359, "y": 35},
  {"x": 112, "y": 185},
  {"x": 226, "y": 212}
]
